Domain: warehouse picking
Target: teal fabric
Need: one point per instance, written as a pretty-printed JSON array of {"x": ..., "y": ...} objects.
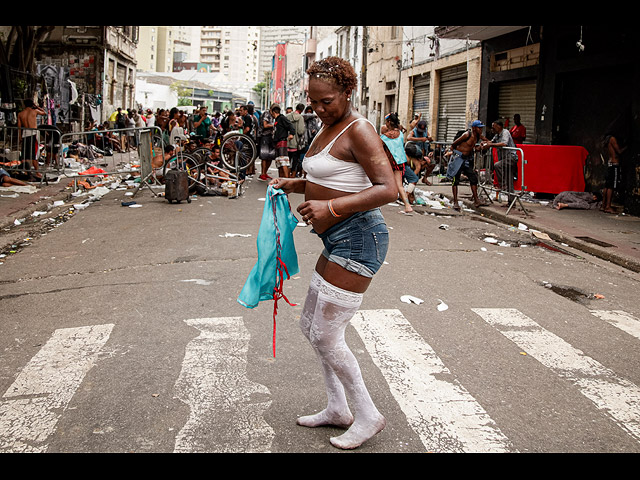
[
  {"x": 396, "y": 147},
  {"x": 277, "y": 257}
]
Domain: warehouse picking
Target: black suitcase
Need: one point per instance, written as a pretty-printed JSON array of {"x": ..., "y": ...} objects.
[{"x": 176, "y": 186}]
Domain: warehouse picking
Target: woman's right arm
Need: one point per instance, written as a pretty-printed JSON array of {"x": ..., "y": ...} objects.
[{"x": 289, "y": 185}]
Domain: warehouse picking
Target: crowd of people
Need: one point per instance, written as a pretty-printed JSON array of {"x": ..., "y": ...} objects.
[{"x": 283, "y": 137}]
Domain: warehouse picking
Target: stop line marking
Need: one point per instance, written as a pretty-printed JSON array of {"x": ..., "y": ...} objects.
[
  {"x": 609, "y": 392},
  {"x": 33, "y": 404},
  {"x": 438, "y": 408}
]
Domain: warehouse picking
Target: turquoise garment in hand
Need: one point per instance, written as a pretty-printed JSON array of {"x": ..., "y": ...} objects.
[{"x": 277, "y": 257}]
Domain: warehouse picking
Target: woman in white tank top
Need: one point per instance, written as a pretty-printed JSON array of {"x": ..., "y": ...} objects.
[{"x": 348, "y": 178}]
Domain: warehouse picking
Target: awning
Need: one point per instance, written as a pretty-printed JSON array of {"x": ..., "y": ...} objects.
[{"x": 474, "y": 32}]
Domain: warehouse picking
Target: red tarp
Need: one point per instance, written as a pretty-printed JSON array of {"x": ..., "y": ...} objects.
[{"x": 551, "y": 168}]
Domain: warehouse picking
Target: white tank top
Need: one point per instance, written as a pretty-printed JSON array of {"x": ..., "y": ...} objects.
[{"x": 328, "y": 171}]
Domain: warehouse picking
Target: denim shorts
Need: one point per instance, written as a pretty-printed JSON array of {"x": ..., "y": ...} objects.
[{"x": 358, "y": 244}]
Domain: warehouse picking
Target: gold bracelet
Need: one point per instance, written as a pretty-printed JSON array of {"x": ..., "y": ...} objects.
[{"x": 332, "y": 210}]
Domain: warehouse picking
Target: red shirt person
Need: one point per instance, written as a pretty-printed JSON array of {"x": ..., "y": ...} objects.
[{"x": 518, "y": 131}]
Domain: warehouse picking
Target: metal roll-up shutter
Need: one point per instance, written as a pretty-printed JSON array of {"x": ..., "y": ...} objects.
[
  {"x": 452, "y": 104},
  {"x": 519, "y": 97},
  {"x": 421, "y": 87}
]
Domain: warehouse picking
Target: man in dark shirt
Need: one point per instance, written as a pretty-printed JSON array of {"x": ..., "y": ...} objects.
[{"x": 283, "y": 130}]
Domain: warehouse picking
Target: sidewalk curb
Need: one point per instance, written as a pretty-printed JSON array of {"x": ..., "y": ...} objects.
[
  {"x": 623, "y": 261},
  {"x": 32, "y": 207}
]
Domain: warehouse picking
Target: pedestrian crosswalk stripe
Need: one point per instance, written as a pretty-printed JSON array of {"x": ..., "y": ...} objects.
[
  {"x": 226, "y": 411},
  {"x": 622, "y": 320},
  {"x": 438, "y": 408},
  {"x": 609, "y": 392},
  {"x": 32, "y": 405}
]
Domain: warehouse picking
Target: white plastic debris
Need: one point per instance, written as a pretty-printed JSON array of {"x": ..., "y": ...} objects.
[
  {"x": 490, "y": 240},
  {"x": 198, "y": 281},
  {"x": 522, "y": 226},
  {"x": 99, "y": 192},
  {"x": 411, "y": 299},
  {"x": 442, "y": 306},
  {"x": 227, "y": 235}
]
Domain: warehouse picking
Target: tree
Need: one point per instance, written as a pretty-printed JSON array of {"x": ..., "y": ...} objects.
[
  {"x": 18, "y": 45},
  {"x": 18, "y": 48},
  {"x": 183, "y": 91}
]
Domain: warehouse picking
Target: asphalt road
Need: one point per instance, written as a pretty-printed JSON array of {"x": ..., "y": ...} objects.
[{"x": 121, "y": 333}]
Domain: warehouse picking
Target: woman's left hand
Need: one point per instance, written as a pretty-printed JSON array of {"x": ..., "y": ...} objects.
[{"x": 316, "y": 213}]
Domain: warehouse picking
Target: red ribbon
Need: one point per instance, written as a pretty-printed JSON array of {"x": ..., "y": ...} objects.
[{"x": 277, "y": 294}]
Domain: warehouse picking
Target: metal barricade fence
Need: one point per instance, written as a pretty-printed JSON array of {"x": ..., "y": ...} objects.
[
  {"x": 30, "y": 151},
  {"x": 501, "y": 170},
  {"x": 71, "y": 155}
]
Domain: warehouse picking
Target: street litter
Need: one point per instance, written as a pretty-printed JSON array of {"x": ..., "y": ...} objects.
[
  {"x": 444, "y": 226},
  {"x": 442, "y": 306},
  {"x": 490, "y": 240},
  {"x": 98, "y": 193},
  {"x": 20, "y": 189},
  {"x": 227, "y": 235},
  {"x": 522, "y": 226},
  {"x": 197, "y": 281},
  {"x": 410, "y": 299},
  {"x": 541, "y": 235}
]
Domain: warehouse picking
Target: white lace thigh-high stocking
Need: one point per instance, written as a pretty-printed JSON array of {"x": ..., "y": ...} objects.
[
  {"x": 334, "y": 309},
  {"x": 337, "y": 412}
]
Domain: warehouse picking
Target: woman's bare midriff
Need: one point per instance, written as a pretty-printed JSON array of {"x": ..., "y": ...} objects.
[{"x": 313, "y": 191}]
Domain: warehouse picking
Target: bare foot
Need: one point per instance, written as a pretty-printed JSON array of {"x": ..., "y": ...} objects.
[
  {"x": 358, "y": 433},
  {"x": 326, "y": 418}
]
